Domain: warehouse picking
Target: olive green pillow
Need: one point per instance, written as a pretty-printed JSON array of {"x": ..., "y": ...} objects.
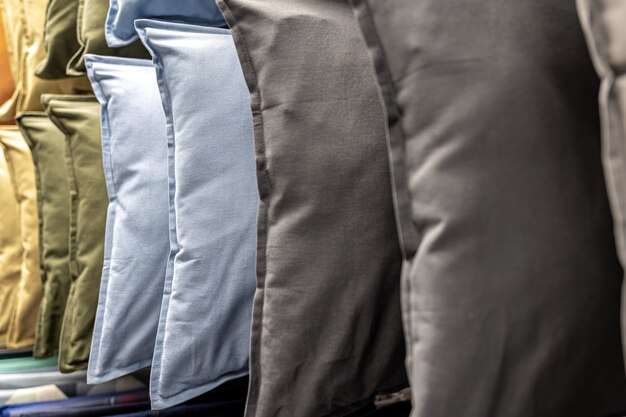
[
  {"x": 60, "y": 38},
  {"x": 78, "y": 117},
  {"x": 90, "y": 29},
  {"x": 47, "y": 144}
]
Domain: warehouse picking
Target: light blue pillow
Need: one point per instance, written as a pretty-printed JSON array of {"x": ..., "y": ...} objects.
[
  {"x": 204, "y": 333},
  {"x": 137, "y": 243},
  {"x": 119, "y": 29}
]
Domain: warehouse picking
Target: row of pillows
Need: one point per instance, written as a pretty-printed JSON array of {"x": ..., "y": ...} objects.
[
  {"x": 511, "y": 290},
  {"x": 175, "y": 297}
]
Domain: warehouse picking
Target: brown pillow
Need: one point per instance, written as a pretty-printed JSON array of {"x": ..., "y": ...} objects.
[
  {"x": 326, "y": 331},
  {"x": 514, "y": 285}
]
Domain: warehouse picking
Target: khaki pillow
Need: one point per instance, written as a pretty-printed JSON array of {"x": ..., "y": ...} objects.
[
  {"x": 513, "y": 292},
  {"x": 326, "y": 327},
  {"x": 91, "y": 18},
  {"x": 22, "y": 19},
  {"x": 10, "y": 249},
  {"x": 22, "y": 326},
  {"x": 47, "y": 145},
  {"x": 79, "y": 119},
  {"x": 7, "y": 85}
]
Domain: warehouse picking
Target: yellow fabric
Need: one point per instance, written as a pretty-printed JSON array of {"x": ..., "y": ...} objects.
[
  {"x": 23, "y": 321},
  {"x": 24, "y": 23},
  {"x": 6, "y": 77},
  {"x": 10, "y": 248}
]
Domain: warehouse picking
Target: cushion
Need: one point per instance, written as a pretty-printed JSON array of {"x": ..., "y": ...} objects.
[
  {"x": 137, "y": 242},
  {"x": 91, "y": 17},
  {"x": 602, "y": 22},
  {"x": 78, "y": 118},
  {"x": 203, "y": 338},
  {"x": 60, "y": 38},
  {"x": 329, "y": 263},
  {"x": 7, "y": 84},
  {"x": 24, "y": 23},
  {"x": 10, "y": 249},
  {"x": 514, "y": 285},
  {"x": 119, "y": 27},
  {"x": 21, "y": 332},
  {"x": 46, "y": 142}
]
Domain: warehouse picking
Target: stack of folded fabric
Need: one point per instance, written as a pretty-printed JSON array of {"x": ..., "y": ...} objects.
[{"x": 312, "y": 208}]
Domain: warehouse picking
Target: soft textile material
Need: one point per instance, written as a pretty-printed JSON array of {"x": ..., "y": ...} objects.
[
  {"x": 28, "y": 294},
  {"x": 24, "y": 24},
  {"x": 326, "y": 333},
  {"x": 514, "y": 286},
  {"x": 60, "y": 38},
  {"x": 119, "y": 28},
  {"x": 79, "y": 119},
  {"x": 7, "y": 84},
  {"x": 204, "y": 332},
  {"x": 137, "y": 242},
  {"x": 47, "y": 146},
  {"x": 91, "y": 18},
  {"x": 604, "y": 23},
  {"x": 10, "y": 248}
]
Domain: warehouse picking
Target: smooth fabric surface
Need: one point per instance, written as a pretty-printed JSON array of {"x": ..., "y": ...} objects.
[
  {"x": 513, "y": 293},
  {"x": 92, "y": 15},
  {"x": 603, "y": 22},
  {"x": 10, "y": 248},
  {"x": 47, "y": 145},
  {"x": 24, "y": 24},
  {"x": 326, "y": 333},
  {"x": 204, "y": 332},
  {"x": 21, "y": 332},
  {"x": 7, "y": 84},
  {"x": 60, "y": 38},
  {"x": 79, "y": 119},
  {"x": 120, "y": 30},
  {"x": 137, "y": 242}
]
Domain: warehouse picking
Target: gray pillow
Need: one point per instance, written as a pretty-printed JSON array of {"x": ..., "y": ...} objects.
[
  {"x": 514, "y": 284},
  {"x": 604, "y": 24},
  {"x": 326, "y": 332}
]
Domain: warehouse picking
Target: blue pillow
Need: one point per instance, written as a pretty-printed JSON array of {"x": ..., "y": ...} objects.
[
  {"x": 119, "y": 29},
  {"x": 137, "y": 239},
  {"x": 204, "y": 332}
]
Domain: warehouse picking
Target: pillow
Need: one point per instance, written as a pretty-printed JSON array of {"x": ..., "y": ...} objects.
[
  {"x": 60, "y": 38},
  {"x": 79, "y": 119},
  {"x": 46, "y": 142},
  {"x": 204, "y": 333},
  {"x": 328, "y": 259},
  {"x": 24, "y": 22},
  {"x": 119, "y": 29},
  {"x": 21, "y": 332},
  {"x": 137, "y": 242},
  {"x": 495, "y": 135},
  {"x": 10, "y": 249},
  {"x": 7, "y": 84},
  {"x": 603, "y": 24},
  {"x": 91, "y": 18}
]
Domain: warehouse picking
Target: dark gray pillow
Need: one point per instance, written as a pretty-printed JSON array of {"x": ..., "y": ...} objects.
[
  {"x": 326, "y": 331},
  {"x": 514, "y": 285}
]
